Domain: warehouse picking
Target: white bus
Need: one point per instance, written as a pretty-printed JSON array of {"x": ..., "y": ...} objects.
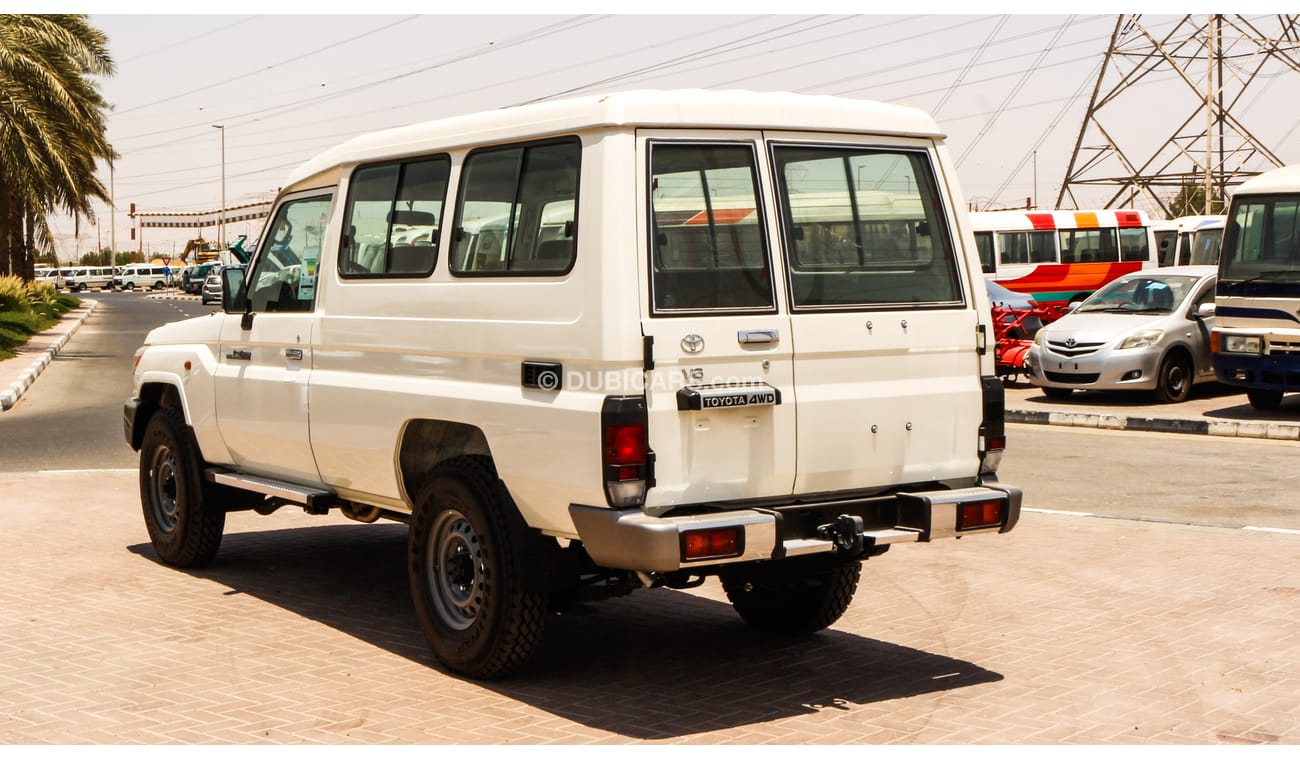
[
  {"x": 1256, "y": 338},
  {"x": 1060, "y": 257},
  {"x": 1189, "y": 240}
]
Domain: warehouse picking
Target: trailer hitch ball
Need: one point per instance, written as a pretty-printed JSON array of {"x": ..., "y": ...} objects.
[{"x": 846, "y": 533}]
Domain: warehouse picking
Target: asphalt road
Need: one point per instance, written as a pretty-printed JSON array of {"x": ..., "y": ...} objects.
[{"x": 71, "y": 418}]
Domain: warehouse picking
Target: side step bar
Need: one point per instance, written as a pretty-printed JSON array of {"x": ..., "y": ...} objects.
[{"x": 314, "y": 500}]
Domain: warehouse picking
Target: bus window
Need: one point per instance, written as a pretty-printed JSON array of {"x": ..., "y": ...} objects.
[
  {"x": 1134, "y": 244},
  {"x": 1087, "y": 246},
  {"x": 984, "y": 244}
]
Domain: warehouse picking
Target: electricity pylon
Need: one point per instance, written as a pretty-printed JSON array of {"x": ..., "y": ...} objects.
[{"x": 1216, "y": 60}]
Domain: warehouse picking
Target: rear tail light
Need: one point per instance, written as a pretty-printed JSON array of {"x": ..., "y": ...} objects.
[
  {"x": 626, "y": 459},
  {"x": 711, "y": 543},
  {"x": 980, "y": 514},
  {"x": 993, "y": 429}
]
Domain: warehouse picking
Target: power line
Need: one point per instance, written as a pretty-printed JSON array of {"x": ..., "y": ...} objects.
[{"x": 264, "y": 69}]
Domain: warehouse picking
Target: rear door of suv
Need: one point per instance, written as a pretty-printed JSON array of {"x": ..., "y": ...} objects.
[
  {"x": 885, "y": 364},
  {"x": 720, "y": 391}
]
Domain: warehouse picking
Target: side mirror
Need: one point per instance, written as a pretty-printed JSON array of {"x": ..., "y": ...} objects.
[
  {"x": 1205, "y": 311},
  {"x": 233, "y": 298}
]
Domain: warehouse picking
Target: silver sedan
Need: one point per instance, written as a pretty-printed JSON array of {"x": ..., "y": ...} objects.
[{"x": 1148, "y": 330}]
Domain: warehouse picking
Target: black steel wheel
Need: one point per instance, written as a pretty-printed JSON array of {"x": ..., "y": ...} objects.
[
  {"x": 184, "y": 524},
  {"x": 1174, "y": 379},
  {"x": 791, "y": 598},
  {"x": 467, "y": 569}
]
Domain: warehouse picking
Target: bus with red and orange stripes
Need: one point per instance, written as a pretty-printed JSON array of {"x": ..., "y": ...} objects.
[{"x": 1059, "y": 257}]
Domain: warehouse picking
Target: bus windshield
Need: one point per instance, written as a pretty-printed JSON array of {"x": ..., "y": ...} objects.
[{"x": 1261, "y": 240}]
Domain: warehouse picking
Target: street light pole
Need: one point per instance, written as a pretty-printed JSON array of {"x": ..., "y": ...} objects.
[{"x": 221, "y": 225}]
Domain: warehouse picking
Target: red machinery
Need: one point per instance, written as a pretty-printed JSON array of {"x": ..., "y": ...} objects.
[{"x": 1013, "y": 331}]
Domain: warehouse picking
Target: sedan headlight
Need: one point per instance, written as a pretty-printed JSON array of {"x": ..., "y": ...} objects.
[
  {"x": 1241, "y": 344},
  {"x": 1142, "y": 339},
  {"x": 1038, "y": 337}
]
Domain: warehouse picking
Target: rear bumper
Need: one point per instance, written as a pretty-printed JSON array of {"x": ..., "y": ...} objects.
[{"x": 632, "y": 540}]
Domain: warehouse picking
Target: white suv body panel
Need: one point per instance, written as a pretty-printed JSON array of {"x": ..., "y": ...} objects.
[{"x": 870, "y": 399}]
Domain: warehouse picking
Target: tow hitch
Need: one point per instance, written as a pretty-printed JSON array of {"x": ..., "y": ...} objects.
[{"x": 846, "y": 533}]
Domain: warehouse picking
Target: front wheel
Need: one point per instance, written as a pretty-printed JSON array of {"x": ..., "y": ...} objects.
[
  {"x": 468, "y": 575},
  {"x": 184, "y": 524},
  {"x": 1057, "y": 393},
  {"x": 789, "y": 599},
  {"x": 1174, "y": 379},
  {"x": 1265, "y": 401}
]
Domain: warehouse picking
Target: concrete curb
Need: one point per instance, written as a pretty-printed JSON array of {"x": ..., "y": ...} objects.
[
  {"x": 60, "y": 335},
  {"x": 1286, "y": 431}
]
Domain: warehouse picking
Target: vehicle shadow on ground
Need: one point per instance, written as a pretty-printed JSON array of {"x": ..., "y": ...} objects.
[{"x": 656, "y": 664}]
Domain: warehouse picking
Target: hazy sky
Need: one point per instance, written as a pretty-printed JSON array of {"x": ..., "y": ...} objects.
[{"x": 1009, "y": 90}]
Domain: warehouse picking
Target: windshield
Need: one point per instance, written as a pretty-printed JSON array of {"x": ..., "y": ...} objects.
[
  {"x": 1260, "y": 242},
  {"x": 1148, "y": 294}
]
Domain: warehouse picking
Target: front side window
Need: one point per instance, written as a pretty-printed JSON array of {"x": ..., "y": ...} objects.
[
  {"x": 864, "y": 227},
  {"x": 517, "y": 211},
  {"x": 284, "y": 276},
  {"x": 984, "y": 244},
  {"x": 1087, "y": 246},
  {"x": 392, "y": 219},
  {"x": 708, "y": 251},
  {"x": 1134, "y": 244}
]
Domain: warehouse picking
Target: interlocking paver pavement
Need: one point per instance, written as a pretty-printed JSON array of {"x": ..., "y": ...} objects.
[{"x": 1067, "y": 630}]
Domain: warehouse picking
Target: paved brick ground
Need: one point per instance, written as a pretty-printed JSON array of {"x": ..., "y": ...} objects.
[{"x": 1069, "y": 630}]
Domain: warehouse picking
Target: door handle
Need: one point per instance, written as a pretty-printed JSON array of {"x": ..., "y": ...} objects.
[
  {"x": 749, "y": 337},
  {"x": 293, "y": 353},
  {"x": 240, "y": 354}
]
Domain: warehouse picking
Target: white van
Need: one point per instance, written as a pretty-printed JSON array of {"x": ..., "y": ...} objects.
[
  {"x": 84, "y": 278},
  {"x": 583, "y": 347},
  {"x": 152, "y": 276}
]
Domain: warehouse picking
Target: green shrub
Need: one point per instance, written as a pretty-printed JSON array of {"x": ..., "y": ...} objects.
[
  {"x": 13, "y": 294},
  {"x": 43, "y": 292},
  {"x": 25, "y": 322}
]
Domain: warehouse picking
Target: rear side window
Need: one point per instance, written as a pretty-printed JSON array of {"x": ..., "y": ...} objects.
[
  {"x": 517, "y": 211},
  {"x": 1036, "y": 247},
  {"x": 708, "y": 248},
  {"x": 864, "y": 227},
  {"x": 392, "y": 223},
  {"x": 1086, "y": 246}
]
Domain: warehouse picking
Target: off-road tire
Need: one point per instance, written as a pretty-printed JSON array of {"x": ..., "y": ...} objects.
[
  {"x": 1174, "y": 379},
  {"x": 792, "y": 600},
  {"x": 1264, "y": 400},
  {"x": 467, "y": 566},
  {"x": 184, "y": 523}
]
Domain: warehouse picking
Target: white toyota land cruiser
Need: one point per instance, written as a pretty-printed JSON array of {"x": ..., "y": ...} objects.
[{"x": 585, "y": 346}]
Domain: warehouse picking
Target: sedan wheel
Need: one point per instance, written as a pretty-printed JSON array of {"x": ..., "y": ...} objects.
[{"x": 1174, "y": 382}]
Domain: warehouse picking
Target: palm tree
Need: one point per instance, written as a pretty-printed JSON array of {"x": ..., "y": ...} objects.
[{"x": 53, "y": 124}]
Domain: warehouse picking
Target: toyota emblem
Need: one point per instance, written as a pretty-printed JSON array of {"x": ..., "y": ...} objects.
[
  {"x": 692, "y": 344},
  {"x": 1069, "y": 342}
]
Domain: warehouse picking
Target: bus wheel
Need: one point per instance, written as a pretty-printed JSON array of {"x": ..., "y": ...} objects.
[{"x": 1265, "y": 401}]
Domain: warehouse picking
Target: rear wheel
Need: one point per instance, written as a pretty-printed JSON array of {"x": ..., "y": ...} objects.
[
  {"x": 789, "y": 599},
  {"x": 1265, "y": 401},
  {"x": 184, "y": 524},
  {"x": 468, "y": 572},
  {"x": 1174, "y": 380}
]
